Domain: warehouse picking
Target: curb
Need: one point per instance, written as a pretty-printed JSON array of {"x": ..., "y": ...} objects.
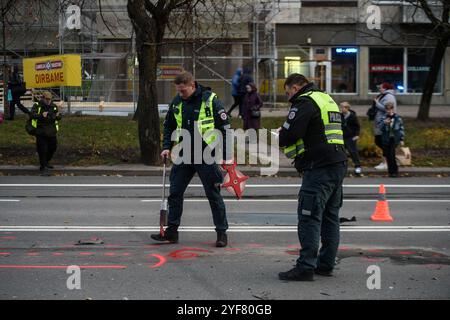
[{"x": 157, "y": 171}]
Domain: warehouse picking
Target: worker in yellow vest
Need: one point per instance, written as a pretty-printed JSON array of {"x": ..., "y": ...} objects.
[
  {"x": 195, "y": 108},
  {"x": 312, "y": 137},
  {"x": 45, "y": 117}
]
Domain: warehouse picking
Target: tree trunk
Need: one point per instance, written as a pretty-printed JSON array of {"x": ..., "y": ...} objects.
[
  {"x": 147, "y": 113},
  {"x": 425, "y": 101}
]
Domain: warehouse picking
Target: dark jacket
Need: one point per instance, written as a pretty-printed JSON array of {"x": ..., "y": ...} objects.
[
  {"x": 244, "y": 80},
  {"x": 252, "y": 101},
  {"x": 393, "y": 130},
  {"x": 191, "y": 111},
  {"x": 15, "y": 84},
  {"x": 304, "y": 121},
  {"x": 46, "y": 126},
  {"x": 350, "y": 125}
]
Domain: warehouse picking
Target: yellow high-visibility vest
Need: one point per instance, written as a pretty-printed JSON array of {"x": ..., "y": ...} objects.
[{"x": 333, "y": 129}]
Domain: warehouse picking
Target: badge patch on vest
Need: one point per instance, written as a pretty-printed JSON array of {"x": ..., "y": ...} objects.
[
  {"x": 291, "y": 115},
  {"x": 223, "y": 116},
  {"x": 334, "y": 117},
  {"x": 208, "y": 112}
]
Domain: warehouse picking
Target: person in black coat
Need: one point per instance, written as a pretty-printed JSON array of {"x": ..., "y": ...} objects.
[
  {"x": 244, "y": 80},
  {"x": 15, "y": 84},
  {"x": 351, "y": 129}
]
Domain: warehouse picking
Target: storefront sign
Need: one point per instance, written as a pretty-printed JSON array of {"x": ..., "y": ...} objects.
[
  {"x": 386, "y": 68},
  {"x": 53, "y": 71},
  {"x": 168, "y": 71}
]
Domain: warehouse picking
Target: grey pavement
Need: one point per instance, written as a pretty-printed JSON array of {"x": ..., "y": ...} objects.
[{"x": 43, "y": 218}]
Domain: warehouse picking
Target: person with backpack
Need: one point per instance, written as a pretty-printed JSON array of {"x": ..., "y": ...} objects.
[
  {"x": 386, "y": 95},
  {"x": 45, "y": 117},
  {"x": 17, "y": 89}
]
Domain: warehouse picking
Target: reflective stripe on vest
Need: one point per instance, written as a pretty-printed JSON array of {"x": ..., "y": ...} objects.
[
  {"x": 205, "y": 120},
  {"x": 34, "y": 121},
  {"x": 333, "y": 130}
]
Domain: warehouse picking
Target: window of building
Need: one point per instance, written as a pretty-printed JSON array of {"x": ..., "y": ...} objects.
[
  {"x": 344, "y": 69},
  {"x": 419, "y": 60},
  {"x": 293, "y": 60},
  {"x": 386, "y": 65}
]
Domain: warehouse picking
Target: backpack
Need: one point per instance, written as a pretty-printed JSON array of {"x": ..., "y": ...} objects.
[{"x": 372, "y": 112}]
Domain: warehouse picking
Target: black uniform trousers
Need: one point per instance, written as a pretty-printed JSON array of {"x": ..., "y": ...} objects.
[
  {"x": 211, "y": 177},
  {"x": 320, "y": 200},
  {"x": 46, "y": 147}
]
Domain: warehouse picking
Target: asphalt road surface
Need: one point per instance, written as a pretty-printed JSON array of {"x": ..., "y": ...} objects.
[{"x": 103, "y": 226}]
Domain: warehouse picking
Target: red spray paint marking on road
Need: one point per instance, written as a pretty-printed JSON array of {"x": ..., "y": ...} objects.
[
  {"x": 86, "y": 253},
  {"x": 292, "y": 252},
  {"x": 374, "y": 250},
  {"x": 57, "y": 254},
  {"x": 109, "y": 254},
  {"x": 5, "y": 253},
  {"x": 186, "y": 253},
  {"x": 33, "y": 254},
  {"x": 406, "y": 253},
  {"x": 162, "y": 260},
  {"x": 232, "y": 249},
  {"x": 59, "y": 267},
  {"x": 8, "y": 238}
]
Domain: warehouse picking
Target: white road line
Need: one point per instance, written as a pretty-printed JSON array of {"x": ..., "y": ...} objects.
[
  {"x": 9, "y": 200},
  {"x": 211, "y": 229},
  {"x": 296, "y": 200},
  {"x": 61, "y": 185}
]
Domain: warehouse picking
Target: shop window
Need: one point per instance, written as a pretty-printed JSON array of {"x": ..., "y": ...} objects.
[
  {"x": 343, "y": 71},
  {"x": 386, "y": 65},
  {"x": 419, "y": 60}
]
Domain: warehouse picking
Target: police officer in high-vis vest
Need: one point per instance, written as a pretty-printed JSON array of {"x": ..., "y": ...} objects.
[
  {"x": 45, "y": 117},
  {"x": 312, "y": 137},
  {"x": 194, "y": 108}
]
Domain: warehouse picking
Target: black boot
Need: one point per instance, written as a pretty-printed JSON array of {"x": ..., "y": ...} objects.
[
  {"x": 324, "y": 272},
  {"x": 170, "y": 235},
  {"x": 222, "y": 239},
  {"x": 297, "y": 274}
]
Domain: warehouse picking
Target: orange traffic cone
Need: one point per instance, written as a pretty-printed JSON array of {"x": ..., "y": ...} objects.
[{"x": 381, "y": 212}]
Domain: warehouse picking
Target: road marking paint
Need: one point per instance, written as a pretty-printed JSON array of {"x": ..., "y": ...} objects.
[
  {"x": 156, "y": 185},
  {"x": 292, "y": 228},
  {"x": 9, "y": 200},
  {"x": 296, "y": 200},
  {"x": 8, "y": 266}
]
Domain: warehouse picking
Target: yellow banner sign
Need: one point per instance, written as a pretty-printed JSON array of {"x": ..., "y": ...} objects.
[{"x": 53, "y": 71}]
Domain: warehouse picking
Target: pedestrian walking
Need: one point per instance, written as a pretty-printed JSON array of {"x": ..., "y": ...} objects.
[
  {"x": 244, "y": 80},
  {"x": 17, "y": 89},
  {"x": 251, "y": 108},
  {"x": 237, "y": 97},
  {"x": 312, "y": 136}
]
